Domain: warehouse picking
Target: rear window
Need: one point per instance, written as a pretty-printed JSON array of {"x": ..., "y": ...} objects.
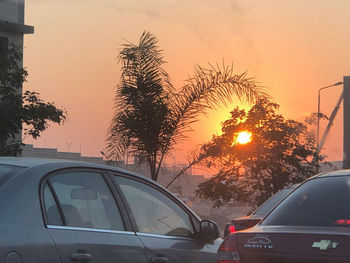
[
  {"x": 6, "y": 171},
  {"x": 318, "y": 202},
  {"x": 270, "y": 203}
]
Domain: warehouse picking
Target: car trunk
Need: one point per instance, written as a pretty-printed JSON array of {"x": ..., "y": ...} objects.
[
  {"x": 294, "y": 245},
  {"x": 246, "y": 222}
]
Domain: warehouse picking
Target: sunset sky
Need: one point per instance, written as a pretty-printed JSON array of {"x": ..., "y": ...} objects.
[{"x": 292, "y": 47}]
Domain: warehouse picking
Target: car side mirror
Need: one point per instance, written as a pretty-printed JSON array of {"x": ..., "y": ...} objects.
[{"x": 209, "y": 231}]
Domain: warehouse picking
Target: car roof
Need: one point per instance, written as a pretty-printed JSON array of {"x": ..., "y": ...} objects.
[
  {"x": 291, "y": 186},
  {"x": 26, "y": 162},
  {"x": 29, "y": 162},
  {"x": 333, "y": 173}
]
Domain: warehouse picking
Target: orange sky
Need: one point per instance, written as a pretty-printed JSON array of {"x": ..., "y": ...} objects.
[{"x": 293, "y": 47}]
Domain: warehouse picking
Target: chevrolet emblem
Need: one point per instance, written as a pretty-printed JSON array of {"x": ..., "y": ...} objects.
[{"x": 325, "y": 244}]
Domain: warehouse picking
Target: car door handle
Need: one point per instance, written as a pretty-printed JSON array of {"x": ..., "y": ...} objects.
[
  {"x": 81, "y": 257},
  {"x": 159, "y": 260}
]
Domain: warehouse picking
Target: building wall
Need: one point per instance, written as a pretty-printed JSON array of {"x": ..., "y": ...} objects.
[
  {"x": 13, "y": 39},
  {"x": 12, "y": 11},
  {"x": 33, "y": 152}
]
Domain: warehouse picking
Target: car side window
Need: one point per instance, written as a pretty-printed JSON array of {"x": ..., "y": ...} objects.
[
  {"x": 85, "y": 200},
  {"x": 153, "y": 211},
  {"x": 53, "y": 216}
]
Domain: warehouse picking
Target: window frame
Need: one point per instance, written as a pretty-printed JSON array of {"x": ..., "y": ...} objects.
[
  {"x": 101, "y": 172},
  {"x": 193, "y": 218}
]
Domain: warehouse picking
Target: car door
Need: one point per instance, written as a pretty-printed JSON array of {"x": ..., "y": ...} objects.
[
  {"x": 86, "y": 220},
  {"x": 167, "y": 229}
]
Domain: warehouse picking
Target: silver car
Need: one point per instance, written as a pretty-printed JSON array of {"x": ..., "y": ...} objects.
[{"x": 65, "y": 211}]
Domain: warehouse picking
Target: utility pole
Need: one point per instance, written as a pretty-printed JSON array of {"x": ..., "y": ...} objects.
[
  {"x": 334, "y": 113},
  {"x": 346, "y": 120}
]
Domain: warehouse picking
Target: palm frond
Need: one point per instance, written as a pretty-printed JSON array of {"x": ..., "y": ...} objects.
[
  {"x": 150, "y": 116},
  {"x": 141, "y": 99},
  {"x": 209, "y": 89}
]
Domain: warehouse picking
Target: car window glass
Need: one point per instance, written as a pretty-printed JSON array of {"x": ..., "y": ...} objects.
[
  {"x": 153, "y": 211},
  {"x": 53, "y": 216},
  {"x": 270, "y": 203},
  {"x": 86, "y": 201},
  {"x": 318, "y": 202}
]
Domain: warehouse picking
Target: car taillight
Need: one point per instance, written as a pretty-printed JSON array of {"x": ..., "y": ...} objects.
[
  {"x": 228, "y": 251},
  {"x": 342, "y": 222},
  {"x": 229, "y": 228}
]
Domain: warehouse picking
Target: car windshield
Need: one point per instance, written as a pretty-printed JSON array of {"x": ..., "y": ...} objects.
[
  {"x": 6, "y": 171},
  {"x": 270, "y": 203},
  {"x": 318, "y": 202}
]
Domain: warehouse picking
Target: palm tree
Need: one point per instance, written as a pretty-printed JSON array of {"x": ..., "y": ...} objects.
[{"x": 151, "y": 116}]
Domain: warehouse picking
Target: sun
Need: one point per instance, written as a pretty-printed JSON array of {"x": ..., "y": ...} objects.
[{"x": 244, "y": 137}]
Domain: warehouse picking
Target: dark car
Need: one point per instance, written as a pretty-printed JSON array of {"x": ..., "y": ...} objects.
[
  {"x": 63, "y": 211},
  {"x": 251, "y": 220},
  {"x": 312, "y": 224}
]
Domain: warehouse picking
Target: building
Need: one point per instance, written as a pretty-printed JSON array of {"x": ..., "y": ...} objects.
[
  {"x": 33, "y": 152},
  {"x": 12, "y": 27}
]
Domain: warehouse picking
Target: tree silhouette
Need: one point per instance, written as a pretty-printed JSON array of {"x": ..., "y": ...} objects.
[
  {"x": 17, "y": 110},
  {"x": 281, "y": 152},
  {"x": 151, "y": 116}
]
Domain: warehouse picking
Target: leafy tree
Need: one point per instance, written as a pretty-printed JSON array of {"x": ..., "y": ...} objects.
[
  {"x": 280, "y": 153},
  {"x": 151, "y": 116},
  {"x": 17, "y": 109}
]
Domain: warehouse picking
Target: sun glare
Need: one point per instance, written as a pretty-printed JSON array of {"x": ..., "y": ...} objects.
[{"x": 244, "y": 137}]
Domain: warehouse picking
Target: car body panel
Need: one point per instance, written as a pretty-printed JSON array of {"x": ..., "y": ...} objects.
[
  {"x": 103, "y": 246},
  {"x": 21, "y": 223},
  {"x": 293, "y": 244},
  {"x": 177, "y": 249},
  {"x": 32, "y": 244}
]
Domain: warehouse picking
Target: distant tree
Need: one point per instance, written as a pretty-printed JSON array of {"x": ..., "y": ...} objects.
[
  {"x": 281, "y": 152},
  {"x": 151, "y": 116},
  {"x": 19, "y": 111}
]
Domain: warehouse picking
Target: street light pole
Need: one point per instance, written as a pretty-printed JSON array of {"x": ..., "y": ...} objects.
[{"x": 318, "y": 121}]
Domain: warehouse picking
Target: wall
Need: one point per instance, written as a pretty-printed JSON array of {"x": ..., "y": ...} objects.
[{"x": 12, "y": 11}]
